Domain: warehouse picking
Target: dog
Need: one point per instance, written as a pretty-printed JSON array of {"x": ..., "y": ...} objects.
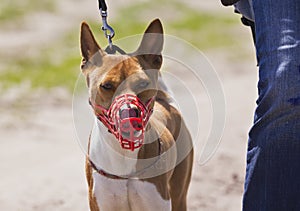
[{"x": 140, "y": 152}]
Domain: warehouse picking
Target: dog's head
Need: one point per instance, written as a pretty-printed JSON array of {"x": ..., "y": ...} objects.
[{"x": 133, "y": 78}]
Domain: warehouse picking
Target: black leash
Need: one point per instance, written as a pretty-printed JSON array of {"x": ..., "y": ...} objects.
[
  {"x": 102, "y": 5},
  {"x": 109, "y": 32}
]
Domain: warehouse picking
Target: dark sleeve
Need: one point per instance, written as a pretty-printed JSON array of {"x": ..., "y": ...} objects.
[{"x": 228, "y": 2}]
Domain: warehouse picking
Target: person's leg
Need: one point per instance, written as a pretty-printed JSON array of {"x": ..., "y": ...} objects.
[{"x": 273, "y": 158}]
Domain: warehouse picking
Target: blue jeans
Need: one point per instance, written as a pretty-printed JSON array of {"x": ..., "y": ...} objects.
[{"x": 273, "y": 157}]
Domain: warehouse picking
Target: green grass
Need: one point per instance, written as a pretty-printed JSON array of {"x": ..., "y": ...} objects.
[
  {"x": 204, "y": 30},
  {"x": 15, "y": 9},
  {"x": 55, "y": 66},
  {"x": 58, "y": 65},
  {"x": 42, "y": 73}
]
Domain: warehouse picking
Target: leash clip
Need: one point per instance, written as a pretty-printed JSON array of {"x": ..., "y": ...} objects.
[{"x": 107, "y": 29}]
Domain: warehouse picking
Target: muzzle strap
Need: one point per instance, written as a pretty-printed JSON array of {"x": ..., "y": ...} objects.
[{"x": 126, "y": 119}]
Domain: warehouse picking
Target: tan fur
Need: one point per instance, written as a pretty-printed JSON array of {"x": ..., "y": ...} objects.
[{"x": 100, "y": 69}]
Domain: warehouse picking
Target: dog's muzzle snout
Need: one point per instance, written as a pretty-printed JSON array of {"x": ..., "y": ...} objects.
[
  {"x": 130, "y": 123},
  {"x": 127, "y": 118},
  {"x": 129, "y": 111}
]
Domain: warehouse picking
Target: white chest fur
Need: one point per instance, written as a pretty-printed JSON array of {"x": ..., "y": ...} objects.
[
  {"x": 120, "y": 194},
  {"x": 106, "y": 152},
  {"x": 127, "y": 195}
]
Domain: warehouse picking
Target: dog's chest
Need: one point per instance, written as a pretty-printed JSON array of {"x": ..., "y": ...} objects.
[{"x": 127, "y": 195}]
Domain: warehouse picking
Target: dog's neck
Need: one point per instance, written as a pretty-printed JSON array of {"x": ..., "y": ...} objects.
[{"x": 107, "y": 154}]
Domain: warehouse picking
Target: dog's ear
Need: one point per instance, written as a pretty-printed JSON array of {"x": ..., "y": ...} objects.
[
  {"x": 151, "y": 45},
  {"x": 91, "y": 52}
]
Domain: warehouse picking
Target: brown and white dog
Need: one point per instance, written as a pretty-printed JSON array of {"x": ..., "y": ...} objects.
[{"x": 140, "y": 151}]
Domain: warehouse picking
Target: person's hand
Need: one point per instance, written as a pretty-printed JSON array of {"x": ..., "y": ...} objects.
[{"x": 228, "y": 2}]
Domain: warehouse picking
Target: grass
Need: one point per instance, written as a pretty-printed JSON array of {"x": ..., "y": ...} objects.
[
  {"x": 42, "y": 73},
  {"x": 15, "y": 9},
  {"x": 58, "y": 65},
  {"x": 53, "y": 67},
  {"x": 204, "y": 30}
]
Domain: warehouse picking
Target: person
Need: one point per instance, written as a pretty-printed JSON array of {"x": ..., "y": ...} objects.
[{"x": 272, "y": 181}]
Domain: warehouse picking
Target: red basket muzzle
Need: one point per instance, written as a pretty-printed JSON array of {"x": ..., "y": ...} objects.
[{"x": 126, "y": 118}]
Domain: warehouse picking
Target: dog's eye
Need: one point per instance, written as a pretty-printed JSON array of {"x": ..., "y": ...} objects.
[
  {"x": 143, "y": 84},
  {"x": 106, "y": 86}
]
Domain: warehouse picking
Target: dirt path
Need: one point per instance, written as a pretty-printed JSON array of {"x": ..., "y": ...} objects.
[{"x": 41, "y": 161}]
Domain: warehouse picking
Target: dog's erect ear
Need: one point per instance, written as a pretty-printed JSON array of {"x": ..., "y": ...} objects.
[
  {"x": 90, "y": 49},
  {"x": 153, "y": 40},
  {"x": 152, "y": 44}
]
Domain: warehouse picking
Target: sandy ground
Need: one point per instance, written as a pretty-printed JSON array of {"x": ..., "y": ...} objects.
[{"x": 42, "y": 164}]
